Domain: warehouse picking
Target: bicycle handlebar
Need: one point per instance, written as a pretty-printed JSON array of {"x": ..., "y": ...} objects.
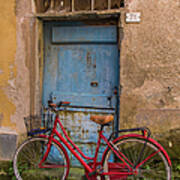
[{"x": 53, "y": 106}]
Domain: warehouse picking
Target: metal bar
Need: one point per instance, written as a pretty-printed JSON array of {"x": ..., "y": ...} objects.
[
  {"x": 87, "y": 107},
  {"x": 92, "y": 5},
  {"x": 72, "y": 5},
  {"x": 109, "y": 4},
  {"x": 89, "y": 110},
  {"x": 144, "y": 161}
]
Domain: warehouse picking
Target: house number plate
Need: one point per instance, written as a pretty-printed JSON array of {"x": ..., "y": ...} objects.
[{"x": 133, "y": 17}]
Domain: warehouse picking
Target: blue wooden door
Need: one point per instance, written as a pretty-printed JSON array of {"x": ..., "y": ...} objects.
[{"x": 81, "y": 66}]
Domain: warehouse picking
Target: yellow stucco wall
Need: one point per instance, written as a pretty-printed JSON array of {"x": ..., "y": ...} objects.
[{"x": 7, "y": 59}]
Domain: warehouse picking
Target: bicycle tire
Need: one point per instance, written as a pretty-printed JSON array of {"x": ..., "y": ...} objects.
[
  {"x": 29, "y": 154},
  {"x": 156, "y": 168}
]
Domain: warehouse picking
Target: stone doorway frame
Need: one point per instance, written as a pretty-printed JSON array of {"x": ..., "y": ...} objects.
[{"x": 36, "y": 98}]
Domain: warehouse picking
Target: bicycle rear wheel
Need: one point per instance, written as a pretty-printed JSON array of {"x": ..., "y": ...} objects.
[
  {"x": 28, "y": 156},
  {"x": 155, "y": 168}
]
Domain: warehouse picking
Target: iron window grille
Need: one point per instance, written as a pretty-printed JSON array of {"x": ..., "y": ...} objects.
[{"x": 58, "y": 6}]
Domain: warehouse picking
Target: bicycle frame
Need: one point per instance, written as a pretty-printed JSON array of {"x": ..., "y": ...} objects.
[
  {"x": 80, "y": 155},
  {"x": 73, "y": 147}
]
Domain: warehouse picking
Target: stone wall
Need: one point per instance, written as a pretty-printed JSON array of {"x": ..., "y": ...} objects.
[{"x": 150, "y": 66}]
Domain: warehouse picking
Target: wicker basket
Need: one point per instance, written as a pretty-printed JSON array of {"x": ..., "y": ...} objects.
[{"x": 38, "y": 124}]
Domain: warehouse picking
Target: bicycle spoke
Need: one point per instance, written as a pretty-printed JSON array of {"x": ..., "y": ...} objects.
[
  {"x": 29, "y": 155},
  {"x": 153, "y": 164}
]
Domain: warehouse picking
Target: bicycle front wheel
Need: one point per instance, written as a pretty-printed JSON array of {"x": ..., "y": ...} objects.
[
  {"x": 28, "y": 156},
  {"x": 149, "y": 164}
]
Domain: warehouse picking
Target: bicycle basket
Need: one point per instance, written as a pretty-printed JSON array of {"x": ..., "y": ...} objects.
[{"x": 37, "y": 124}]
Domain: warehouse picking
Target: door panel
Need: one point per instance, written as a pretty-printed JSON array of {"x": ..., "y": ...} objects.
[
  {"x": 85, "y": 74},
  {"x": 81, "y": 66},
  {"x": 85, "y": 77},
  {"x": 84, "y": 34}
]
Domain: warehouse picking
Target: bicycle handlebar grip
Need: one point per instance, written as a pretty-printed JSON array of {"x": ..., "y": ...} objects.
[
  {"x": 61, "y": 103},
  {"x": 65, "y": 103}
]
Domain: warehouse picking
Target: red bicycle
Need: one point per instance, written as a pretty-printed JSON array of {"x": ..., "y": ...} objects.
[{"x": 129, "y": 156}]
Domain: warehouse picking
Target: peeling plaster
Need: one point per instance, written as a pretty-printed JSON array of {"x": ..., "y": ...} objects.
[{"x": 12, "y": 83}]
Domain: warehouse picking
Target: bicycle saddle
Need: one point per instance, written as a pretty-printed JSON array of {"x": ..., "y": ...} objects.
[{"x": 99, "y": 119}]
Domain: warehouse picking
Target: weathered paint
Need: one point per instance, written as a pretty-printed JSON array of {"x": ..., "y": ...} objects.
[
  {"x": 8, "y": 73},
  {"x": 84, "y": 34},
  {"x": 83, "y": 132},
  {"x": 7, "y": 59},
  {"x": 81, "y": 66},
  {"x": 14, "y": 74}
]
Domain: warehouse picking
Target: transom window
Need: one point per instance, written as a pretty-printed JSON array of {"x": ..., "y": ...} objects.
[{"x": 58, "y": 6}]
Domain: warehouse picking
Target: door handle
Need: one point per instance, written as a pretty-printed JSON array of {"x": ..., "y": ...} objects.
[{"x": 94, "y": 83}]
